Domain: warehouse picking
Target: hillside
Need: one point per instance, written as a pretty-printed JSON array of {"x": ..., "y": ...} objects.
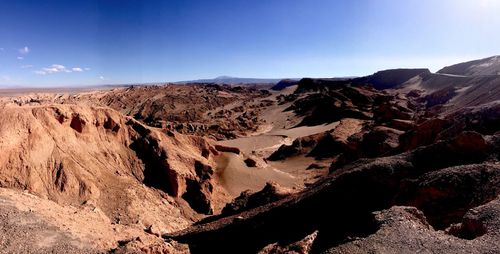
[
  {"x": 483, "y": 67},
  {"x": 400, "y": 161}
]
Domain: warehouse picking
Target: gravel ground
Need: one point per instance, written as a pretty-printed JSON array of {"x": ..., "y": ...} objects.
[{"x": 25, "y": 232}]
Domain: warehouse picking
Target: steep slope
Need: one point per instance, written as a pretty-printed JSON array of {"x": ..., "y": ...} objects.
[
  {"x": 453, "y": 92},
  {"x": 284, "y": 84},
  {"x": 437, "y": 184},
  {"x": 78, "y": 155},
  {"x": 481, "y": 67},
  {"x": 390, "y": 78}
]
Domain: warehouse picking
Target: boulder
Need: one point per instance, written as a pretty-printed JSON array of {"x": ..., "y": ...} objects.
[
  {"x": 380, "y": 141},
  {"x": 303, "y": 246},
  {"x": 424, "y": 134},
  {"x": 227, "y": 149},
  {"x": 247, "y": 200}
]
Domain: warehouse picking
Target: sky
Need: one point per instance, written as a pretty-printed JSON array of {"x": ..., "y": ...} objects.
[{"x": 92, "y": 42}]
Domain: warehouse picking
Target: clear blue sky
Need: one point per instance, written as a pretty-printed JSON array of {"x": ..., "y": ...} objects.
[{"x": 55, "y": 43}]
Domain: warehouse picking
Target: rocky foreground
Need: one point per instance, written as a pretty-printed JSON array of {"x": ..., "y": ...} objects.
[{"x": 401, "y": 161}]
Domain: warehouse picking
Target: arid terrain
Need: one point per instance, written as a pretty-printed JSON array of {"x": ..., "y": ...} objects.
[{"x": 401, "y": 161}]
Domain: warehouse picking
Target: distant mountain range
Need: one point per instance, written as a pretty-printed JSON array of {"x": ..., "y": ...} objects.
[
  {"x": 234, "y": 80},
  {"x": 489, "y": 66},
  {"x": 486, "y": 67}
]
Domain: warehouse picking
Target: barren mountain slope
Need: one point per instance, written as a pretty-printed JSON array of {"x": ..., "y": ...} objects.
[
  {"x": 218, "y": 111},
  {"x": 408, "y": 152},
  {"x": 486, "y": 66},
  {"x": 138, "y": 179},
  {"x": 390, "y": 78},
  {"x": 400, "y": 161},
  {"x": 452, "y": 93},
  {"x": 424, "y": 178},
  {"x": 77, "y": 155}
]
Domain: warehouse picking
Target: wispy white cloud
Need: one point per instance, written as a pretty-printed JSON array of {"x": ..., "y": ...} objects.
[
  {"x": 5, "y": 78},
  {"x": 26, "y": 66},
  {"x": 24, "y": 50},
  {"x": 87, "y": 69},
  {"x": 20, "y": 58},
  {"x": 102, "y": 77},
  {"x": 57, "y": 68}
]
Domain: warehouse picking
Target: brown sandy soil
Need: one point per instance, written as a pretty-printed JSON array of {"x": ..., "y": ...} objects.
[
  {"x": 264, "y": 142},
  {"x": 25, "y": 227},
  {"x": 299, "y": 167},
  {"x": 280, "y": 128},
  {"x": 236, "y": 177},
  {"x": 259, "y": 144},
  {"x": 303, "y": 131},
  {"x": 61, "y": 229},
  {"x": 276, "y": 115}
]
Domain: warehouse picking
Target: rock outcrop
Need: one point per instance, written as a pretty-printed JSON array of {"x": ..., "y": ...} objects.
[
  {"x": 405, "y": 230},
  {"x": 325, "y": 101},
  {"x": 248, "y": 200},
  {"x": 443, "y": 187},
  {"x": 77, "y": 154}
]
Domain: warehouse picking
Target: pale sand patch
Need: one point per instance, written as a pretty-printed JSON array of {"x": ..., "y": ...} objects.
[
  {"x": 236, "y": 177},
  {"x": 304, "y": 131},
  {"x": 254, "y": 143}
]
